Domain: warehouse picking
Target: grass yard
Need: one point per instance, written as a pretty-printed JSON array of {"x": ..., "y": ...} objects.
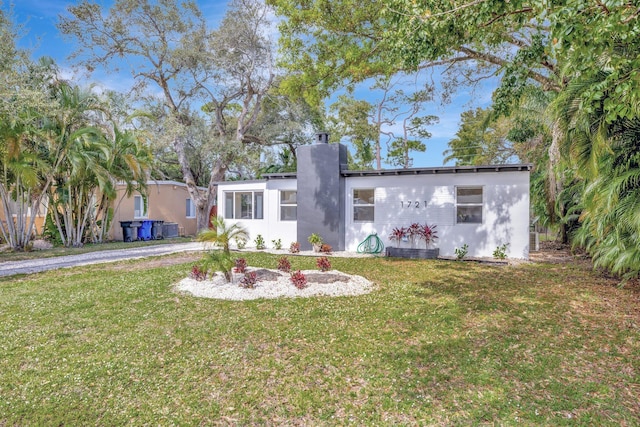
[{"x": 437, "y": 343}]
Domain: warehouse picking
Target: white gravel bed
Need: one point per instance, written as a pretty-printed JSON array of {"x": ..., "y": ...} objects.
[{"x": 218, "y": 288}]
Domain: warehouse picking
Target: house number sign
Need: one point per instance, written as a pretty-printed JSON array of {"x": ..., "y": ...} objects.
[{"x": 413, "y": 204}]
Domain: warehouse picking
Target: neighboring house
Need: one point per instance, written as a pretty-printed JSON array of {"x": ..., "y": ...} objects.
[
  {"x": 168, "y": 201},
  {"x": 481, "y": 206}
]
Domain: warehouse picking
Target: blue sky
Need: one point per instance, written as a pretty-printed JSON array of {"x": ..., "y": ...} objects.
[{"x": 39, "y": 18}]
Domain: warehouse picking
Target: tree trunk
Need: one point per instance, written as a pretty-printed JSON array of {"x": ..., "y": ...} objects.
[
  {"x": 203, "y": 200},
  {"x": 218, "y": 172},
  {"x": 556, "y": 184}
]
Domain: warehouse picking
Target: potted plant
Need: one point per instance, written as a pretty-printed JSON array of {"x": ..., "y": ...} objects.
[
  {"x": 415, "y": 232},
  {"x": 429, "y": 234},
  {"x": 316, "y": 241},
  {"x": 398, "y": 234}
]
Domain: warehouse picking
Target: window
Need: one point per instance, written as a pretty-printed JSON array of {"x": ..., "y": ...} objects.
[
  {"x": 243, "y": 205},
  {"x": 139, "y": 207},
  {"x": 469, "y": 205},
  {"x": 363, "y": 205},
  {"x": 288, "y": 205},
  {"x": 191, "y": 209}
]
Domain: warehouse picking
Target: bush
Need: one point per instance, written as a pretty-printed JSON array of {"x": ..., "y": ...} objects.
[
  {"x": 198, "y": 273},
  {"x": 240, "y": 242},
  {"x": 51, "y": 232},
  {"x": 323, "y": 263},
  {"x": 241, "y": 265},
  {"x": 284, "y": 264},
  {"x": 299, "y": 280},
  {"x": 501, "y": 251},
  {"x": 259, "y": 241},
  {"x": 462, "y": 251},
  {"x": 249, "y": 280},
  {"x": 325, "y": 248},
  {"x": 277, "y": 244},
  {"x": 294, "y": 248}
]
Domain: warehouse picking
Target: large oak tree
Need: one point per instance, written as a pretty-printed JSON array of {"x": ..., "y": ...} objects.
[{"x": 167, "y": 46}]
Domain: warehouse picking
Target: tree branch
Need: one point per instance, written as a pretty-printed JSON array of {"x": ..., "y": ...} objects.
[
  {"x": 545, "y": 81},
  {"x": 514, "y": 12}
]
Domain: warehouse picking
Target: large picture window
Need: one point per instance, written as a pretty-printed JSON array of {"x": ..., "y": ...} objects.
[
  {"x": 363, "y": 205},
  {"x": 288, "y": 205},
  {"x": 244, "y": 205},
  {"x": 139, "y": 207},
  {"x": 469, "y": 202}
]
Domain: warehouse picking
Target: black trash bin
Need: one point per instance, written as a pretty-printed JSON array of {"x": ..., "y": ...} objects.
[
  {"x": 156, "y": 230},
  {"x": 130, "y": 230}
]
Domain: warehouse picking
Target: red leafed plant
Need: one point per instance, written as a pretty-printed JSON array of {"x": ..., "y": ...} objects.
[
  {"x": 241, "y": 265},
  {"x": 323, "y": 263},
  {"x": 429, "y": 233},
  {"x": 299, "y": 280},
  {"x": 284, "y": 264},
  {"x": 249, "y": 280},
  {"x": 414, "y": 232},
  {"x": 325, "y": 248},
  {"x": 198, "y": 273},
  {"x": 294, "y": 248},
  {"x": 398, "y": 234}
]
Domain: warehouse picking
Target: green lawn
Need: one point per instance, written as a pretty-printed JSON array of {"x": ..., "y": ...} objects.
[{"x": 438, "y": 342}]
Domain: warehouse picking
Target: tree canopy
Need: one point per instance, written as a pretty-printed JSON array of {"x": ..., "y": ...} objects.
[
  {"x": 585, "y": 54},
  {"x": 166, "y": 44}
]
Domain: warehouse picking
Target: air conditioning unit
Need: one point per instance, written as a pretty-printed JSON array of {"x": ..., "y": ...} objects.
[{"x": 534, "y": 241}]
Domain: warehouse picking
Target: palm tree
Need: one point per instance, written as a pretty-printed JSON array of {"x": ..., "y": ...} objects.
[
  {"x": 606, "y": 153},
  {"x": 24, "y": 173},
  {"x": 129, "y": 163},
  {"x": 221, "y": 235},
  {"x": 22, "y": 184}
]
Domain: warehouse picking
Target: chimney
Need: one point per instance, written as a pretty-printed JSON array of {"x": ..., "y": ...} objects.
[{"x": 322, "y": 138}]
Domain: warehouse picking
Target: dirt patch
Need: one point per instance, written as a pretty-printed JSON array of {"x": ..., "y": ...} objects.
[{"x": 558, "y": 253}]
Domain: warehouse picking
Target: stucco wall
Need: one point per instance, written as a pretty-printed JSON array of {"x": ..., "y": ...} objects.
[
  {"x": 270, "y": 227},
  {"x": 166, "y": 202},
  {"x": 505, "y": 210},
  {"x": 321, "y": 195}
]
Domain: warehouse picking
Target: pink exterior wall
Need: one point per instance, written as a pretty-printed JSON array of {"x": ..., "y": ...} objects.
[{"x": 166, "y": 201}]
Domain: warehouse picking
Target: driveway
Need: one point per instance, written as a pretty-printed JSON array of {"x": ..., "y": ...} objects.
[{"x": 37, "y": 265}]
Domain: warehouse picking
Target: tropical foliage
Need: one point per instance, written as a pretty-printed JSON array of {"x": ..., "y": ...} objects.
[
  {"x": 221, "y": 234},
  {"x": 60, "y": 153},
  {"x": 575, "y": 64}
]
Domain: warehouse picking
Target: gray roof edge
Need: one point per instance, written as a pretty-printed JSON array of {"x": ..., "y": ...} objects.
[
  {"x": 520, "y": 167},
  {"x": 244, "y": 181}
]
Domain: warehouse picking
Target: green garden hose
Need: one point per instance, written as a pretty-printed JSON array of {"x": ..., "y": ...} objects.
[{"x": 371, "y": 245}]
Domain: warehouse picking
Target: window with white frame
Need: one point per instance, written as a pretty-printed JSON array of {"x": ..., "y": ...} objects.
[
  {"x": 288, "y": 205},
  {"x": 244, "y": 205},
  {"x": 139, "y": 207},
  {"x": 191, "y": 209},
  {"x": 363, "y": 205},
  {"x": 469, "y": 202}
]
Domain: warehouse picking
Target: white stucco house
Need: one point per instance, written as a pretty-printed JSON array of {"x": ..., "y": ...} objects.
[{"x": 481, "y": 206}]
